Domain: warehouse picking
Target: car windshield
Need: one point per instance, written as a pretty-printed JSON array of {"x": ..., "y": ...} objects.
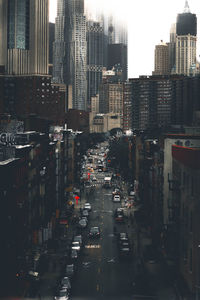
[
  {"x": 82, "y": 221},
  {"x": 62, "y": 293},
  {"x": 70, "y": 268},
  {"x": 65, "y": 280},
  {"x": 94, "y": 229}
]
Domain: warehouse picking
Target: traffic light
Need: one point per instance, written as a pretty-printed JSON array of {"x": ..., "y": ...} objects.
[{"x": 77, "y": 198}]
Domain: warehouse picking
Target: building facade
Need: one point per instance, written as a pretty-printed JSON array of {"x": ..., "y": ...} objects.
[
  {"x": 102, "y": 123},
  {"x": 111, "y": 98},
  {"x": 186, "y": 40},
  {"x": 95, "y": 44},
  {"x": 70, "y": 50},
  {"x": 127, "y": 107},
  {"x": 186, "y": 208},
  {"x": 117, "y": 55},
  {"x": 24, "y": 31},
  {"x": 172, "y": 48},
  {"x": 161, "y": 60},
  {"x": 23, "y": 95}
]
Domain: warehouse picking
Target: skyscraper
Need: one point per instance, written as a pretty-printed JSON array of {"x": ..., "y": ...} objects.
[
  {"x": 59, "y": 44},
  {"x": 117, "y": 45},
  {"x": 186, "y": 39},
  {"x": 117, "y": 55},
  {"x": 70, "y": 50},
  {"x": 161, "y": 62},
  {"x": 95, "y": 43},
  {"x": 172, "y": 48},
  {"x": 24, "y": 32}
]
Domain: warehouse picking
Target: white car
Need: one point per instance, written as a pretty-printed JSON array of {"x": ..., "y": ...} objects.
[
  {"x": 88, "y": 206},
  {"x": 76, "y": 246},
  {"x": 78, "y": 238},
  {"x": 116, "y": 198}
]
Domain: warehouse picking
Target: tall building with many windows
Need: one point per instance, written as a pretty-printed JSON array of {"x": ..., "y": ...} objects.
[
  {"x": 172, "y": 48},
  {"x": 59, "y": 44},
  {"x": 70, "y": 50},
  {"x": 117, "y": 49},
  {"x": 161, "y": 62},
  {"x": 24, "y": 36},
  {"x": 186, "y": 40},
  {"x": 95, "y": 53}
]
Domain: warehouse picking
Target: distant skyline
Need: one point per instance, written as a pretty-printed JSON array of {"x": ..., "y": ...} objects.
[{"x": 149, "y": 22}]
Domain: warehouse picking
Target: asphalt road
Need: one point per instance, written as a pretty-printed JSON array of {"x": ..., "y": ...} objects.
[{"x": 101, "y": 273}]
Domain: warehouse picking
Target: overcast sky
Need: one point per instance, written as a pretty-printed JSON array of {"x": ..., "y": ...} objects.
[{"x": 149, "y": 22}]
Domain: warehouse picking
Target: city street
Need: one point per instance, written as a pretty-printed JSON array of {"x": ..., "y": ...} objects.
[{"x": 101, "y": 273}]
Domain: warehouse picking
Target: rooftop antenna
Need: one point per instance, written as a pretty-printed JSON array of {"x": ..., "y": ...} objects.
[{"x": 186, "y": 8}]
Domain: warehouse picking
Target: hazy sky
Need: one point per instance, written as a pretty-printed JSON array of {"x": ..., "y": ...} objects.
[{"x": 149, "y": 22}]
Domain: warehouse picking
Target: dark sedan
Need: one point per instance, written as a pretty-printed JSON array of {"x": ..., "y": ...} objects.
[{"x": 94, "y": 232}]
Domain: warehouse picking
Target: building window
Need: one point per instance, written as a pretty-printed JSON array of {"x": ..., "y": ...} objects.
[{"x": 18, "y": 24}]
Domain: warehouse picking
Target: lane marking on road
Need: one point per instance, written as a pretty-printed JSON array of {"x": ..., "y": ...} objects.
[
  {"x": 97, "y": 287},
  {"x": 111, "y": 235},
  {"x": 92, "y": 246}
]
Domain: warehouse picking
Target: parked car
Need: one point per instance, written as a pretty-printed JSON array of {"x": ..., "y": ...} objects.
[
  {"x": 63, "y": 294},
  {"x": 87, "y": 206},
  {"x": 122, "y": 237},
  {"x": 94, "y": 232},
  {"x": 76, "y": 246},
  {"x": 124, "y": 252},
  {"x": 78, "y": 238},
  {"x": 66, "y": 284},
  {"x": 69, "y": 270},
  {"x": 74, "y": 254}
]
